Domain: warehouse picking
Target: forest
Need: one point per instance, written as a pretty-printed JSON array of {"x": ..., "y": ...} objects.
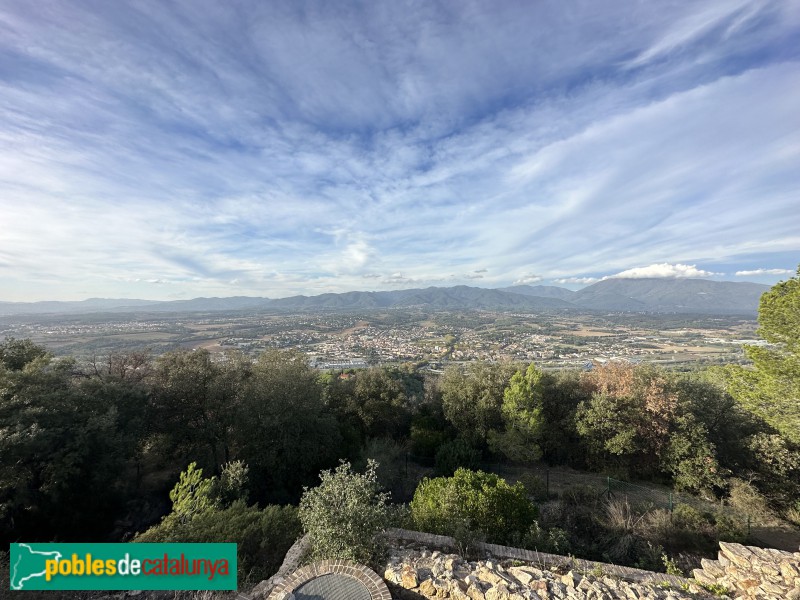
[{"x": 180, "y": 447}]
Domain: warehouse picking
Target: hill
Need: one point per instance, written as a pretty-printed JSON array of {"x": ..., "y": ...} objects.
[
  {"x": 671, "y": 296},
  {"x": 618, "y": 295}
]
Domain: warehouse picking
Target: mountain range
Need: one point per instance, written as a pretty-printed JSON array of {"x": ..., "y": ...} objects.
[{"x": 617, "y": 295}]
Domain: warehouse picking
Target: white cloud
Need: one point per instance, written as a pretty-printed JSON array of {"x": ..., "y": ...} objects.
[
  {"x": 527, "y": 279},
  {"x": 757, "y": 272},
  {"x": 663, "y": 270},
  {"x": 214, "y": 147},
  {"x": 577, "y": 280}
]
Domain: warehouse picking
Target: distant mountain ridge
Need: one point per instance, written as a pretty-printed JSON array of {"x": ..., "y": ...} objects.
[{"x": 617, "y": 295}]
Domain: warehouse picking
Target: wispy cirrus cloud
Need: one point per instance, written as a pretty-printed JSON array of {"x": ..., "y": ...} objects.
[{"x": 287, "y": 148}]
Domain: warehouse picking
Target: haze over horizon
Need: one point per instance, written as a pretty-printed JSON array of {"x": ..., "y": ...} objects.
[{"x": 270, "y": 149}]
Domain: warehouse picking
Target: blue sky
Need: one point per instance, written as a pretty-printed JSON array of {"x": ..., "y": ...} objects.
[{"x": 178, "y": 149}]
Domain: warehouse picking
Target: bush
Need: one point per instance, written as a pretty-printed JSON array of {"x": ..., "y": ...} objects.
[
  {"x": 746, "y": 499},
  {"x": 536, "y": 488},
  {"x": 553, "y": 540},
  {"x": 793, "y": 514},
  {"x": 455, "y": 454},
  {"x": 199, "y": 515},
  {"x": 391, "y": 456},
  {"x": 481, "y": 502},
  {"x": 262, "y": 536},
  {"x": 344, "y": 513}
]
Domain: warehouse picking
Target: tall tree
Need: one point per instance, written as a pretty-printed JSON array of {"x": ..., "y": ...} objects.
[
  {"x": 522, "y": 417},
  {"x": 284, "y": 431},
  {"x": 65, "y": 447},
  {"x": 771, "y": 389},
  {"x": 629, "y": 420},
  {"x": 195, "y": 401},
  {"x": 472, "y": 400}
]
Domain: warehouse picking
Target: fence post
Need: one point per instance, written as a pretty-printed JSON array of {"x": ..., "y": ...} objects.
[
  {"x": 670, "y": 502},
  {"x": 748, "y": 525},
  {"x": 547, "y": 482}
]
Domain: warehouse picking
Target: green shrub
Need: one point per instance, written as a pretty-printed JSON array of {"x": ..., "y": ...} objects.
[
  {"x": 535, "y": 486},
  {"x": 456, "y": 454},
  {"x": 747, "y": 500},
  {"x": 553, "y": 540},
  {"x": 262, "y": 536},
  {"x": 426, "y": 436},
  {"x": 671, "y": 567},
  {"x": 793, "y": 514},
  {"x": 344, "y": 513},
  {"x": 728, "y": 529},
  {"x": 483, "y": 501},
  {"x": 687, "y": 517},
  {"x": 199, "y": 515}
]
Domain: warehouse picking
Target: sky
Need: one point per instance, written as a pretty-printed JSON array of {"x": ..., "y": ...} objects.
[{"x": 165, "y": 150}]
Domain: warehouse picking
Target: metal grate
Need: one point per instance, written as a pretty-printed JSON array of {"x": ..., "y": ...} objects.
[{"x": 332, "y": 587}]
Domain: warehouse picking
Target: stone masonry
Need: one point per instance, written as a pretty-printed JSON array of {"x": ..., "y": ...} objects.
[
  {"x": 416, "y": 574},
  {"x": 422, "y": 566},
  {"x": 750, "y": 572}
]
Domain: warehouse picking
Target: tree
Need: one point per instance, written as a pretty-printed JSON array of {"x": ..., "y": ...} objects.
[
  {"x": 472, "y": 400},
  {"x": 194, "y": 402},
  {"x": 284, "y": 432},
  {"x": 482, "y": 501},
  {"x": 522, "y": 418},
  {"x": 60, "y": 437},
  {"x": 15, "y": 354},
  {"x": 630, "y": 418},
  {"x": 771, "y": 388},
  {"x": 344, "y": 513},
  {"x": 454, "y": 454}
]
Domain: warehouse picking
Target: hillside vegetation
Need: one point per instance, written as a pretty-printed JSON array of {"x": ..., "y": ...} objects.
[{"x": 92, "y": 453}]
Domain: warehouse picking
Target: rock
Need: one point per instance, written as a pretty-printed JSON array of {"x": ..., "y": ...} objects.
[
  {"x": 408, "y": 577},
  {"x": 434, "y": 588},
  {"x": 501, "y": 592},
  {"x": 539, "y": 586},
  {"x": 746, "y": 584},
  {"x": 737, "y": 554},
  {"x": 703, "y": 577},
  {"x": 426, "y": 588},
  {"x": 490, "y": 576},
  {"x": 458, "y": 589},
  {"x": 790, "y": 572},
  {"x": 712, "y": 568},
  {"x": 570, "y": 580},
  {"x": 521, "y": 575},
  {"x": 475, "y": 593},
  {"x": 392, "y": 574},
  {"x": 770, "y": 590}
]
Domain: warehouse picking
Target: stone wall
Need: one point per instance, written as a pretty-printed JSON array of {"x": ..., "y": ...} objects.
[
  {"x": 423, "y": 566},
  {"x": 543, "y": 559},
  {"x": 749, "y": 572},
  {"x": 415, "y": 573}
]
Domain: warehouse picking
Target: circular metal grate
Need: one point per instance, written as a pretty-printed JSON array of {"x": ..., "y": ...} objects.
[{"x": 333, "y": 586}]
